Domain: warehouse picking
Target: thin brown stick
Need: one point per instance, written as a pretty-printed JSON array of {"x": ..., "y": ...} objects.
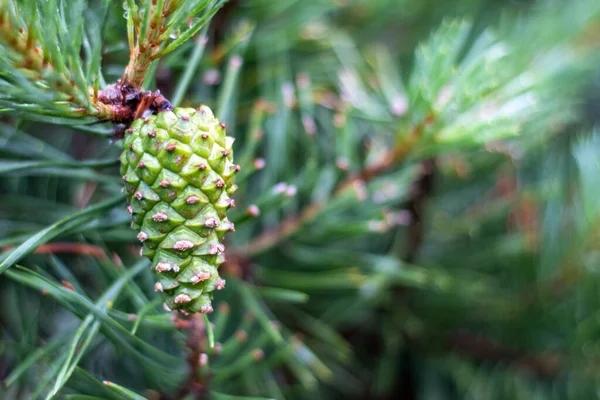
[
  {"x": 292, "y": 224},
  {"x": 195, "y": 384},
  {"x": 485, "y": 349},
  {"x": 69, "y": 248}
]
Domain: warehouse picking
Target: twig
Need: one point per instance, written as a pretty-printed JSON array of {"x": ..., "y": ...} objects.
[
  {"x": 147, "y": 45},
  {"x": 421, "y": 190},
  {"x": 72, "y": 248},
  {"x": 292, "y": 224},
  {"x": 125, "y": 99},
  {"x": 197, "y": 343},
  {"x": 486, "y": 349},
  {"x": 409, "y": 250}
]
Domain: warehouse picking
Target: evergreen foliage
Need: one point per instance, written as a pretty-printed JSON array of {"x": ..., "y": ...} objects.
[{"x": 416, "y": 210}]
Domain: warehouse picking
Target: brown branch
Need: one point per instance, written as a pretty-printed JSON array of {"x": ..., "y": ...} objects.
[
  {"x": 197, "y": 343},
  {"x": 421, "y": 189},
  {"x": 292, "y": 224},
  {"x": 485, "y": 349},
  {"x": 72, "y": 248}
]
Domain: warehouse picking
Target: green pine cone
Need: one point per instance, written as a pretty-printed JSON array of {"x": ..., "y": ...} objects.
[{"x": 178, "y": 172}]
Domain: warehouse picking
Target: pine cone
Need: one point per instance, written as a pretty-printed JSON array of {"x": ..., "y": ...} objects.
[{"x": 178, "y": 172}]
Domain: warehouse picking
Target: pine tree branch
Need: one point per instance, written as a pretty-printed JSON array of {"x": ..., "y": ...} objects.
[
  {"x": 157, "y": 22},
  {"x": 488, "y": 350},
  {"x": 68, "y": 248},
  {"x": 46, "y": 74},
  {"x": 421, "y": 191},
  {"x": 42, "y": 68},
  {"x": 195, "y": 385},
  {"x": 292, "y": 224},
  {"x": 148, "y": 41}
]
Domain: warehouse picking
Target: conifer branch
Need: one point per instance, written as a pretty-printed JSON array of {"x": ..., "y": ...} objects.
[
  {"x": 156, "y": 22},
  {"x": 339, "y": 153},
  {"x": 45, "y": 73},
  {"x": 67, "y": 248},
  {"x": 195, "y": 384},
  {"x": 292, "y": 224},
  {"x": 485, "y": 349},
  {"x": 44, "y": 80},
  {"x": 148, "y": 39}
]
